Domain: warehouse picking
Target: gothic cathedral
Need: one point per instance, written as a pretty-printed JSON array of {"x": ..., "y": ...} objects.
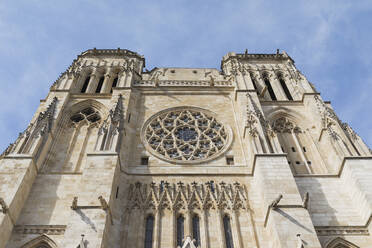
[{"x": 248, "y": 156}]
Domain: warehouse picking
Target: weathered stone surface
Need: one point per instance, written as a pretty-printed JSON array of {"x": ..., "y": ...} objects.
[{"x": 252, "y": 158}]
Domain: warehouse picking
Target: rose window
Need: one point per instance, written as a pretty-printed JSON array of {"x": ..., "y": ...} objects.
[{"x": 185, "y": 135}]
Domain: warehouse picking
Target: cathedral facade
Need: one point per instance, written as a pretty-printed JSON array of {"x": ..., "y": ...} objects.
[{"x": 248, "y": 156}]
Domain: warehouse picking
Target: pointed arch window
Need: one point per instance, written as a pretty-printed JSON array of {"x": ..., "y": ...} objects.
[
  {"x": 285, "y": 88},
  {"x": 269, "y": 88},
  {"x": 149, "y": 231},
  {"x": 228, "y": 233},
  {"x": 180, "y": 229},
  {"x": 196, "y": 229},
  {"x": 85, "y": 85},
  {"x": 253, "y": 81},
  {"x": 100, "y": 84},
  {"x": 114, "y": 83}
]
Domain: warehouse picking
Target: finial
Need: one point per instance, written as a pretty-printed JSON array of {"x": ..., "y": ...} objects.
[
  {"x": 277, "y": 51},
  {"x": 246, "y": 52}
]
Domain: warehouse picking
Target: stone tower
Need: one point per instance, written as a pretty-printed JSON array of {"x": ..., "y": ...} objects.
[{"x": 248, "y": 156}]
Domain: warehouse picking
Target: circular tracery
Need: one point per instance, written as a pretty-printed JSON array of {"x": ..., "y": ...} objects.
[{"x": 185, "y": 135}]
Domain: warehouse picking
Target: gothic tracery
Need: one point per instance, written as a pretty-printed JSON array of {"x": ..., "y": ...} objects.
[{"x": 185, "y": 134}]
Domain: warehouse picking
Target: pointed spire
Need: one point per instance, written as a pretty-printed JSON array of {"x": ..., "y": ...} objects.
[
  {"x": 45, "y": 119},
  {"x": 117, "y": 114}
]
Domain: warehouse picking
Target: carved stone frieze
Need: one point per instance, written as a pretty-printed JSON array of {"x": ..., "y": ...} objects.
[
  {"x": 283, "y": 125},
  {"x": 179, "y": 83},
  {"x": 349, "y": 131},
  {"x": 253, "y": 112},
  {"x": 341, "y": 230},
  {"x": 40, "y": 229},
  {"x": 187, "y": 196}
]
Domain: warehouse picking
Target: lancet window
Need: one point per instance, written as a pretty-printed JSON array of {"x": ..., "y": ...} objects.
[
  {"x": 114, "y": 83},
  {"x": 168, "y": 202},
  {"x": 253, "y": 81},
  {"x": 85, "y": 85},
  {"x": 100, "y": 84},
  {"x": 149, "y": 231},
  {"x": 74, "y": 141},
  {"x": 180, "y": 229},
  {"x": 228, "y": 233},
  {"x": 285, "y": 88},
  {"x": 196, "y": 229},
  {"x": 269, "y": 87}
]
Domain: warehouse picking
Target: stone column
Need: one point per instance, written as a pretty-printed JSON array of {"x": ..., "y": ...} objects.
[
  {"x": 106, "y": 87},
  {"x": 204, "y": 232},
  {"x": 236, "y": 230},
  {"x": 221, "y": 228},
  {"x": 157, "y": 229},
  {"x": 174, "y": 229},
  {"x": 188, "y": 223},
  {"x": 94, "y": 77}
]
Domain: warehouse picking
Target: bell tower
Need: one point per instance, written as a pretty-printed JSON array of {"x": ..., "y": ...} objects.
[{"x": 248, "y": 155}]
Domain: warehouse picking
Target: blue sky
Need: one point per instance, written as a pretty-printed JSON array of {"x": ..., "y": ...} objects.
[{"x": 329, "y": 40}]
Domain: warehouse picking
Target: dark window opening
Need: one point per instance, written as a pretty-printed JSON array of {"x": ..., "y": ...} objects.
[
  {"x": 161, "y": 186},
  {"x": 117, "y": 192},
  {"x": 180, "y": 229},
  {"x": 100, "y": 84},
  {"x": 297, "y": 162},
  {"x": 196, "y": 229},
  {"x": 289, "y": 162},
  {"x": 228, "y": 233},
  {"x": 114, "y": 83},
  {"x": 144, "y": 160},
  {"x": 254, "y": 82},
  {"x": 129, "y": 117},
  {"x": 270, "y": 89},
  {"x": 309, "y": 162},
  {"x": 286, "y": 91},
  {"x": 293, "y": 149},
  {"x": 85, "y": 85},
  {"x": 149, "y": 231},
  {"x": 303, "y": 148},
  {"x": 230, "y": 160}
]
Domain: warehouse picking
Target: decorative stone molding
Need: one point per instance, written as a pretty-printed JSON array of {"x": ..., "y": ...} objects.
[
  {"x": 4, "y": 207},
  {"x": 340, "y": 242},
  {"x": 349, "y": 131},
  {"x": 283, "y": 125},
  {"x": 187, "y": 196},
  {"x": 186, "y": 135},
  {"x": 253, "y": 112},
  {"x": 182, "y": 83},
  {"x": 40, "y": 229},
  {"x": 111, "y": 127},
  {"x": 88, "y": 116},
  {"x": 341, "y": 230},
  {"x": 26, "y": 140}
]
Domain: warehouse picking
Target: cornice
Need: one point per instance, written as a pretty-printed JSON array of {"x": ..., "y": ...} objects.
[
  {"x": 255, "y": 56},
  {"x": 111, "y": 52}
]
